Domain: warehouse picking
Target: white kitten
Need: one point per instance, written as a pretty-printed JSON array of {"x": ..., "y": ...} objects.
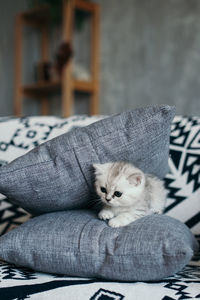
[{"x": 127, "y": 193}]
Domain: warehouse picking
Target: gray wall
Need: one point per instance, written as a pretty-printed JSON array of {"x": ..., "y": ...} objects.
[
  {"x": 8, "y": 10},
  {"x": 150, "y": 53}
]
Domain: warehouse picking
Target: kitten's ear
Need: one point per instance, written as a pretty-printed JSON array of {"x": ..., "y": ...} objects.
[
  {"x": 135, "y": 179},
  {"x": 100, "y": 168}
]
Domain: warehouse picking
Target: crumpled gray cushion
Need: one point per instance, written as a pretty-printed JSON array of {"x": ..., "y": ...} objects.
[
  {"x": 58, "y": 174},
  {"x": 77, "y": 243}
]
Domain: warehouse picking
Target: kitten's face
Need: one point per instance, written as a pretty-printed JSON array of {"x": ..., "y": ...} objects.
[{"x": 117, "y": 186}]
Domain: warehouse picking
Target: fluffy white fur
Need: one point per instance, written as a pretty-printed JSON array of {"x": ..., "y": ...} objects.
[{"x": 127, "y": 193}]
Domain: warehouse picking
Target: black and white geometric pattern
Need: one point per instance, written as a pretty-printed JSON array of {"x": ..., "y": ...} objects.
[
  {"x": 23, "y": 283},
  {"x": 11, "y": 216},
  {"x": 105, "y": 294},
  {"x": 183, "y": 180},
  {"x": 17, "y": 136}
]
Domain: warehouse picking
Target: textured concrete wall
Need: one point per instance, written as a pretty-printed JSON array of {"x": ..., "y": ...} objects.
[{"x": 150, "y": 53}]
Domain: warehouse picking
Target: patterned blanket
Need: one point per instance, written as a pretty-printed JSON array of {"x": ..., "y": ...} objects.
[{"x": 21, "y": 283}]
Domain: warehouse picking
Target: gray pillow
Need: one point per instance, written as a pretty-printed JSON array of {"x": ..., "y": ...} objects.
[
  {"x": 58, "y": 174},
  {"x": 77, "y": 243}
]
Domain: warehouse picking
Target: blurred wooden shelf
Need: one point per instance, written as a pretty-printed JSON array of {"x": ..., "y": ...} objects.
[
  {"x": 41, "y": 87},
  {"x": 50, "y": 86},
  {"x": 39, "y": 18},
  {"x": 83, "y": 86}
]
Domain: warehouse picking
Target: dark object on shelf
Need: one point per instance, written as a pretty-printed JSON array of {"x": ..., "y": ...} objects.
[
  {"x": 80, "y": 17},
  {"x": 55, "y": 12},
  {"x": 44, "y": 71},
  {"x": 55, "y": 9},
  {"x": 63, "y": 55}
]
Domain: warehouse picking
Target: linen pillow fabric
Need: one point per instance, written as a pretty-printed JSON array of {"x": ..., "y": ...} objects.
[
  {"x": 77, "y": 243},
  {"x": 58, "y": 174},
  {"x": 20, "y": 135}
]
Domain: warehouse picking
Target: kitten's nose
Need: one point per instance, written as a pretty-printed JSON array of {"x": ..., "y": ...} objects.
[{"x": 108, "y": 199}]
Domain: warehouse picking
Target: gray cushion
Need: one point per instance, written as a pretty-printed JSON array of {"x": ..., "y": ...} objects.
[
  {"x": 77, "y": 243},
  {"x": 58, "y": 174}
]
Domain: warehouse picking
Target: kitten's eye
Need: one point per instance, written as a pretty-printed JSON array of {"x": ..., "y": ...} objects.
[
  {"x": 103, "y": 190},
  {"x": 117, "y": 194}
]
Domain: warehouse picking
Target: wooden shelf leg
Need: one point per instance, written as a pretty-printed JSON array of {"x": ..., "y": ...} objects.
[
  {"x": 44, "y": 54},
  {"x": 67, "y": 85},
  {"x": 18, "y": 66},
  {"x": 94, "y": 99},
  {"x": 44, "y": 106},
  {"x": 67, "y": 94},
  {"x": 94, "y": 102}
]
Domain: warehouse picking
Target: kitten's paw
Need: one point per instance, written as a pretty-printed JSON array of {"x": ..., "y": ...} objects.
[
  {"x": 118, "y": 222},
  {"x": 105, "y": 214}
]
